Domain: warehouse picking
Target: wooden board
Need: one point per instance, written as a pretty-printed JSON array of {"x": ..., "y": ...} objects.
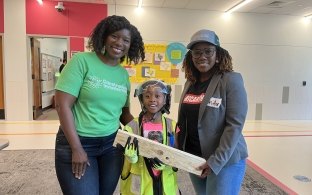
[{"x": 166, "y": 154}]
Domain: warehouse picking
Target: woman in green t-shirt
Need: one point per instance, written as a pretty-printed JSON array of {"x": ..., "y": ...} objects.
[{"x": 92, "y": 99}]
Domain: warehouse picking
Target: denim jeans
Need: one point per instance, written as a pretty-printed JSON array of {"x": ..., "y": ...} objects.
[
  {"x": 227, "y": 182},
  {"x": 101, "y": 177}
]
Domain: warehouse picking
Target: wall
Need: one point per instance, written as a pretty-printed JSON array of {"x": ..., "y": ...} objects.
[
  {"x": 53, "y": 47},
  {"x": 272, "y": 52},
  {"x": 17, "y": 84},
  {"x": 24, "y": 18},
  {"x": 76, "y": 21}
]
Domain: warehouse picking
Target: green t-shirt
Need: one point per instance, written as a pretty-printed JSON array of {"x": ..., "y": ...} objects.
[{"x": 101, "y": 91}]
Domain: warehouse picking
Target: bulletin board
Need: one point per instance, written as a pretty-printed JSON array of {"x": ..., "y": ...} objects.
[
  {"x": 49, "y": 64},
  {"x": 161, "y": 62}
]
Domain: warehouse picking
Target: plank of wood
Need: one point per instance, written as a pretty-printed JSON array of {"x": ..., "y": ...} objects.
[{"x": 166, "y": 154}]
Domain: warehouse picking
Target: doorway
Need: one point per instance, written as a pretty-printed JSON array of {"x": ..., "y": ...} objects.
[
  {"x": 2, "y": 109},
  {"x": 36, "y": 77},
  {"x": 47, "y": 55}
]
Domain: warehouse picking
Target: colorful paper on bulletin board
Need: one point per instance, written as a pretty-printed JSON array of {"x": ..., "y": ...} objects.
[
  {"x": 148, "y": 58},
  {"x": 145, "y": 71},
  {"x": 159, "y": 57},
  {"x": 165, "y": 66},
  {"x": 156, "y": 65},
  {"x": 175, "y": 73},
  {"x": 175, "y": 52}
]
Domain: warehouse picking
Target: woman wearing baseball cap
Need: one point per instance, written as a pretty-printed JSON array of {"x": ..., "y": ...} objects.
[{"x": 212, "y": 114}]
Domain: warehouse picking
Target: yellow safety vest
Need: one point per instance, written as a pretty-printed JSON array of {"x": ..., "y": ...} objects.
[{"x": 136, "y": 179}]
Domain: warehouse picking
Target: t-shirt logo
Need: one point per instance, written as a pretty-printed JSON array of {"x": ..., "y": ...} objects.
[
  {"x": 96, "y": 82},
  {"x": 155, "y": 136},
  {"x": 153, "y": 131},
  {"x": 193, "y": 99}
]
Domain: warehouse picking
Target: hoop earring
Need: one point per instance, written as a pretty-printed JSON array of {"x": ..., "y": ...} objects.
[{"x": 103, "y": 51}]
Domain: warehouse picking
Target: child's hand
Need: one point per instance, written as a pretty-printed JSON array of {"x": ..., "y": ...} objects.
[
  {"x": 157, "y": 164},
  {"x": 121, "y": 148},
  {"x": 132, "y": 151}
]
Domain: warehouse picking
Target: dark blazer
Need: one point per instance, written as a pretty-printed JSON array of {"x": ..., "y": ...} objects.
[{"x": 221, "y": 118}]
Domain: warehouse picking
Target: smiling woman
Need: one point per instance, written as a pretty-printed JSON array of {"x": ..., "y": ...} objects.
[
  {"x": 92, "y": 99},
  {"x": 212, "y": 112},
  {"x": 117, "y": 45}
]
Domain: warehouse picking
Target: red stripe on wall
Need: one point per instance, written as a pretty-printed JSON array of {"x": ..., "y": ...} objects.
[
  {"x": 83, "y": 17},
  {"x": 76, "y": 44},
  {"x": 44, "y": 19}
]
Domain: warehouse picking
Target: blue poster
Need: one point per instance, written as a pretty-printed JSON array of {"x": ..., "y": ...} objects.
[{"x": 175, "y": 52}]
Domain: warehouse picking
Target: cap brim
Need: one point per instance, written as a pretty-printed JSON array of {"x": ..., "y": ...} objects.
[{"x": 191, "y": 44}]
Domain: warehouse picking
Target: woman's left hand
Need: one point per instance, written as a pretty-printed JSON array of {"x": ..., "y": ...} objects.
[{"x": 206, "y": 170}]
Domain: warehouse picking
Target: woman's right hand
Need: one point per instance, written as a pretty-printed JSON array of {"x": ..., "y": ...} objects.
[
  {"x": 64, "y": 104},
  {"x": 79, "y": 162},
  {"x": 206, "y": 170}
]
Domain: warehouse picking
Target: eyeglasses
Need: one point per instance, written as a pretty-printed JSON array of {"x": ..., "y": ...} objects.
[{"x": 207, "y": 52}]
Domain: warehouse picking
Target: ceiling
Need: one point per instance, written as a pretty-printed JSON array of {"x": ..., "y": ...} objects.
[{"x": 280, "y": 7}]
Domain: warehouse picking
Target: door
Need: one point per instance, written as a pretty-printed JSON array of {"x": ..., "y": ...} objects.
[
  {"x": 2, "y": 111},
  {"x": 36, "y": 78}
]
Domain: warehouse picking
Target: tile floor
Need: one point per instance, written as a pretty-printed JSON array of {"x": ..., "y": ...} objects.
[{"x": 280, "y": 150}]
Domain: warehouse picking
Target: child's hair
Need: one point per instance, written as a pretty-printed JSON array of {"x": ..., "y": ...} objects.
[
  {"x": 165, "y": 89},
  {"x": 110, "y": 25}
]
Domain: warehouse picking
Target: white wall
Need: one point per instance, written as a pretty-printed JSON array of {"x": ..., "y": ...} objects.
[
  {"x": 271, "y": 52},
  {"x": 17, "y": 71},
  {"x": 53, "y": 46}
]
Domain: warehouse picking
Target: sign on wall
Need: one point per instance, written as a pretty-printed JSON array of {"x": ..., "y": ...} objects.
[{"x": 161, "y": 62}]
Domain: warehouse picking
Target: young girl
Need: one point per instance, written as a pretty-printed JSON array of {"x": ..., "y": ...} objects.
[{"x": 141, "y": 175}]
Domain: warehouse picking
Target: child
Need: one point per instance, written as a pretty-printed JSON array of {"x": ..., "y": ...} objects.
[{"x": 141, "y": 175}]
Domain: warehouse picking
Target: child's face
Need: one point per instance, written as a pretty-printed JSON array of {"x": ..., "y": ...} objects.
[{"x": 153, "y": 99}]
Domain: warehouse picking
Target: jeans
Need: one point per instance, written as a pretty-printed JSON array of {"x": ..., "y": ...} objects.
[
  {"x": 101, "y": 177},
  {"x": 227, "y": 182}
]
